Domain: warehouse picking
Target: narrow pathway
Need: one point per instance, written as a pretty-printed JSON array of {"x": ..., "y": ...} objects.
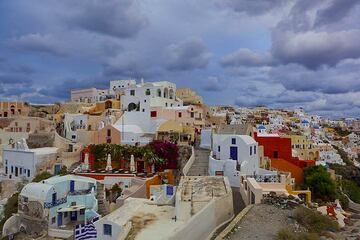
[{"x": 201, "y": 164}]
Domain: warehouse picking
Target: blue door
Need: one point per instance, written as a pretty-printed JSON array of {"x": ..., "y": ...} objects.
[
  {"x": 234, "y": 153},
  {"x": 73, "y": 216},
  {"x": 72, "y": 186},
  {"x": 59, "y": 219},
  {"x": 57, "y": 168}
]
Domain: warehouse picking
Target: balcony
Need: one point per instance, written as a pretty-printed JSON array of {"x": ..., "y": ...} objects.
[
  {"x": 54, "y": 204},
  {"x": 80, "y": 192}
]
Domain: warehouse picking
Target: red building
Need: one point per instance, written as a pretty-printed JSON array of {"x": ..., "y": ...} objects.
[{"x": 278, "y": 149}]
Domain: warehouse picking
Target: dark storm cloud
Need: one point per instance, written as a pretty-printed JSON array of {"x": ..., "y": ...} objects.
[
  {"x": 187, "y": 55},
  {"x": 11, "y": 78},
  {"x": 117, "y": 18},
  {"x": 313, "y": 49},
  {"x": 246, "y": 57},
  {"x": 63, "y": 89},
  {"x": 24, "y": 69},
  {"x": 336, "y": 11},
  {"x": 213, "y": 84},
  {"x": 297, "y": 40},
  {"x": 38, "y": 43},
  {"x": 252, "y": 7},
  {"x": 18, "y": 91}
]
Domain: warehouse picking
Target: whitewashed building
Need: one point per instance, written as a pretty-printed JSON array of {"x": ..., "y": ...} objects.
[
  {"x": 21, "y": 162},
  {"x": 56, "y": 205},
  {"x": 88, "y": 95},
  {"x": 72, "y": 123}
]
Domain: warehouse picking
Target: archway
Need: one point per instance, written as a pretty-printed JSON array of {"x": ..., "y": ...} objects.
[
  {"x": 132, "y": 107},
  {"x": 108, "y": 104},
  {"x": 171, "y": 94},
  {"x": 166, "y": 93}
]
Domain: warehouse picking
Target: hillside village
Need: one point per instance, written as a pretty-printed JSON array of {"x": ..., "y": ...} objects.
[{"x": 148, "y": 160}]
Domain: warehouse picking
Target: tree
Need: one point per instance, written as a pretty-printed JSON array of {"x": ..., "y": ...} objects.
[
  {"x": 63, "y": 171},
  {"x": 41, "y": 176},
  {"x": 319, "y": 181}
]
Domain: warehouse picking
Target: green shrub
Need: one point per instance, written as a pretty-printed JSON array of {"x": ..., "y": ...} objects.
[
  {"x": 319, "y": 181},
  {"x": 351, "y": 189},
  {"x": 287, "y": 234},
  {"x": 41, "y": 176}
]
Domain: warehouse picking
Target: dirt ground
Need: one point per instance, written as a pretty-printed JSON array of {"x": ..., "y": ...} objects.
[{"x": 264, "y": 221}]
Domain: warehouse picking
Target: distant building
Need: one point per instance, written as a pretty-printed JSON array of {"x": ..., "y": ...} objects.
[
  {"x": 88, "y": 95},
  {"x": 13, "y": 109}
]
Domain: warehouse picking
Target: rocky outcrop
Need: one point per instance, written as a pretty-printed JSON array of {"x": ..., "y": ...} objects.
[{"x": 39, "y": 140}]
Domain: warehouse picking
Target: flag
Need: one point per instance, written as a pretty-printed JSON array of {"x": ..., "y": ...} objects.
[{"x": 85, "y": 231}]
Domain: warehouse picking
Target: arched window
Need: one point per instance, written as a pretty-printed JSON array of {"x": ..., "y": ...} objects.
[
  {"x": 132, "y": 107},
  {"x": 108, "y": 104},
  {"x": 12, "y": 109},
  {"x": 171, "y": 94},
  {"x": 166, "y": 93},
  {"x": 147, "y": 92},
  {"x": 159, "y": 92}
]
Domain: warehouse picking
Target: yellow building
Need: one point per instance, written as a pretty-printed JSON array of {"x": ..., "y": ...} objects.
[
  {"x": 174, "y": 131},
  {"x": 102, "y": 106},
  {"x": 304, "y": 147}
]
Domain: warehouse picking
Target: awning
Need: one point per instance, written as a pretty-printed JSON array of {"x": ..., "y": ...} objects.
[{"x": 71, "y": 208}]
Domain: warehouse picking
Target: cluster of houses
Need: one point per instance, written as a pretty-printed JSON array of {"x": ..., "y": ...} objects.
[{"x": 251, "y": 150}]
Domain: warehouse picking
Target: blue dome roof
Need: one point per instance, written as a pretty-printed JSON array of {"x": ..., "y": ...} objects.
[
  {"x": 305, "y": 121},
  {"x": 261, "y": 127}
]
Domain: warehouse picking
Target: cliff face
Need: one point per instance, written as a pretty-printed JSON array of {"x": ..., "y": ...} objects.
[{"x": 39, "y": 140}]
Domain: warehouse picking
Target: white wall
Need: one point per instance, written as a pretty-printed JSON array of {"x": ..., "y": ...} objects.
[
  {"x": 190, "y": 162},
  {"x": 243, "y": 144},
  {"x": 228, "y": 167},
  {"x": 22, "y": 160},
  {"x": 206, "y": 138}
]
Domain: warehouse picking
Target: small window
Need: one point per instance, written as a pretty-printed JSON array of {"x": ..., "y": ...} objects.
[
  {"x": 192, "y": 114},
  {"x": 65, "y": 214},
  {"x": 180, "y": 114},
  {"x": 53, "y": 220},
  {"x": 250, "y": 150},
  {"x": 147, "y": 92},
  {"x": 254, "y": 149},
  {"x": 28, "y": 172},
  {"x": 25, "y": 199},
  {"x": 107, "y": 230},
  {"x": 82, "y": 211},
  {"x": 143, "y": 110},
  {"x": 153, "y": 114},
  {"x": 218, "y": 148},
  {"x": 132, "y": 92},
  {"x": 12, "y": 169},
  {"x": 109, "y": 132},
  {"x": 233, "y": 141}
]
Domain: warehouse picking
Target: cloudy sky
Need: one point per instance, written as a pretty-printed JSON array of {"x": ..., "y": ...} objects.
[{"x": 279, "y": 53}]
